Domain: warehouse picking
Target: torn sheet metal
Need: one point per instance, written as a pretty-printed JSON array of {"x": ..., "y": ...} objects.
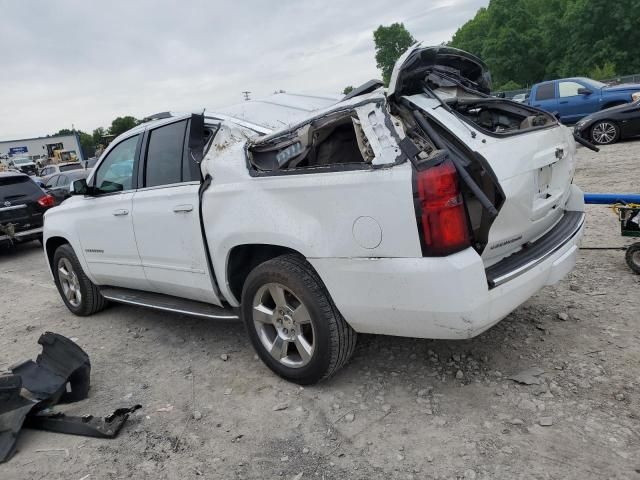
[{"x": 375, "y": 123}]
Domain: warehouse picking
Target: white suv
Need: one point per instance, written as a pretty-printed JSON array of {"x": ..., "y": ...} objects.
[{"x": 426, "y": 210}]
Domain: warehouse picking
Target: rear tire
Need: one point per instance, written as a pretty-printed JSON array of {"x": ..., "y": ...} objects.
[
  {"x": 605, "y": 132},
  {"x": 79, "y": 293},
  {"x": 633, "y": 257},
  {"x": 292, "y": 322}
]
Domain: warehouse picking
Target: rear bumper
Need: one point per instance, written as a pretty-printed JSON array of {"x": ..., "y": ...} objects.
[
  {"x": 446, "y": 298},
  {"x": 23, "y": 235}
]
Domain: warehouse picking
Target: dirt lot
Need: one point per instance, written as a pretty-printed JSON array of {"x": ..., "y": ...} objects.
[{"x": 402, "y": 408}]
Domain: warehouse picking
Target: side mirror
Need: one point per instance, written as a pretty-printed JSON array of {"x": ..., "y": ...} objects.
[
  {"x": 584, "y": 91},
  {"x": 79, "y": 187}
]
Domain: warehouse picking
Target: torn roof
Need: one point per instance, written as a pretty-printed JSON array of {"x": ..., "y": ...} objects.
[{"x": 280, "y": 110}]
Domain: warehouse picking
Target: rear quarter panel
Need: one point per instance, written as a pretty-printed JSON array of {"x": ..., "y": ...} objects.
[{"x": 320, "y": 215}]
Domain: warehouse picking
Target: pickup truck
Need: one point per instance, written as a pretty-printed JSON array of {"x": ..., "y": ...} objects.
[
  {"x": 427, "y": 210},
  {"x": 574, "y": 98}
]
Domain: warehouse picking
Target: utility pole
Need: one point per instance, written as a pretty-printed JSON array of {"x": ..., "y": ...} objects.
[{"x": 246, "y": 96}]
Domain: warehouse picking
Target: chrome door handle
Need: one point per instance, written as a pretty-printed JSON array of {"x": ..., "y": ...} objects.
[
  {"x": 120, "y": 212},
  {"x": 183, "y": 208}
]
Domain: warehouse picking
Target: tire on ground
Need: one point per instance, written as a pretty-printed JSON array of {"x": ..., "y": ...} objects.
[
  {"x": 92, "y": 300},
  {"x": 334, "y": 339},
  {"x": 598, "y": 124},
  {"x": 633, "y": 257}
]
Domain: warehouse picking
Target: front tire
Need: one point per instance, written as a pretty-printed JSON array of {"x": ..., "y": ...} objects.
[
  {"x": 605, "y": 132},
  {"x": 292, "y": 322},
  {"x": 79, "y": 293}
]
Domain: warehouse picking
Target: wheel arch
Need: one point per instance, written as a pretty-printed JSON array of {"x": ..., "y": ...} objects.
[
  {"x": 613, "y": 103},
  {"x": 50, "y": 247},
  {"x": 242, "y": 259}
]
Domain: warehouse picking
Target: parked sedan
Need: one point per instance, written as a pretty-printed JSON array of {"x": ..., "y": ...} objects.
[
  {"x": 49, "y": 170},
  {"x": 608, "y": 126},
  {"x": 58, "y": 185}
]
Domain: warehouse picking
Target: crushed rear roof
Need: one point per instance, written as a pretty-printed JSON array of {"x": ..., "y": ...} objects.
[{"x": 280, "y": 110}]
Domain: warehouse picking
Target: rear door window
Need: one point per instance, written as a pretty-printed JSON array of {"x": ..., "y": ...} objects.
[
  {"x": 164, "y": 155},
  {"x": 62, "y": 181},
  {"x": 546, "y": 91},
  {"x": 51, "y": 183}
]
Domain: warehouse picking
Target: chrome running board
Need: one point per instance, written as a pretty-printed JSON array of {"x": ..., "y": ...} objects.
[{"x": 167, "y": 303}]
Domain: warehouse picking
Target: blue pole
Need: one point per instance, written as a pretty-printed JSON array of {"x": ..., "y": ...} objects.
[{"x": 611, "y": 198}]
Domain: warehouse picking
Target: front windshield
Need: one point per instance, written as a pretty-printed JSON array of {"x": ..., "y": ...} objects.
[
  {"x": 593, "y": 83},
  {"x": 20, "y": 161}
]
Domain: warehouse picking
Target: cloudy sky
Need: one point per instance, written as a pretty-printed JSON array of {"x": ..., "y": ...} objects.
[{"x": 85, "y": 62}]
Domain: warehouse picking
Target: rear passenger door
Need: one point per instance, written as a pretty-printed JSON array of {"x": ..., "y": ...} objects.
[{"x": 166, "y": 216}]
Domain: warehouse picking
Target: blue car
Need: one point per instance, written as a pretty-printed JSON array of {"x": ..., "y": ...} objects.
[{"x": 574, "y": 98}]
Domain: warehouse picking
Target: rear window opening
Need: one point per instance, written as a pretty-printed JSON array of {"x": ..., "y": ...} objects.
[
  {"x": 16, "y": 187},
  {"x": 501, "y": 117},
  {"x": 337, "y": 140}
]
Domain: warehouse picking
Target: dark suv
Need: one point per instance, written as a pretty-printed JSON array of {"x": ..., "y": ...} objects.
[{"x": 22, "y": 205}]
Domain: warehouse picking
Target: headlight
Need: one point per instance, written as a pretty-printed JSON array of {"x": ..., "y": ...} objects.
[{"x": 635, "y": 97}]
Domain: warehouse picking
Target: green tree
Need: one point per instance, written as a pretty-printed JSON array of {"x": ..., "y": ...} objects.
[
  {"x": 97, "y": 135},
  {"x": 527, "y": 41},
  {"x": 390, "y": 43},
  {"x": 122, "y": 124},
  {"x": 87, "y": 144},
  {"x": 604, "y": 72},
  {"x": 64, "y": 131},
  {"x": 347, "y": 90},
  {"x": 510, "y": 85}
]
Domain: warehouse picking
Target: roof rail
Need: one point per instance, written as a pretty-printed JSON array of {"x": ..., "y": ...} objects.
[{"x": 157, "y": 116}]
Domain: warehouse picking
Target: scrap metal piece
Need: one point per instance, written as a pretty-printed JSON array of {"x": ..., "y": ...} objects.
[
  {"x": 13, "y": 410},
  {"x": 87, "y": 425},
  {"x": 60, "y": 374},
  {"x": 529, "y": 376}
]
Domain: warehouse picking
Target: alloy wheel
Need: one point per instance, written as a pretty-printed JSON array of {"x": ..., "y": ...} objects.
[
  {"x": 283, "y": 325},
  {"x": 604, "y": 133},
  {"x": 69, "y": 282}
]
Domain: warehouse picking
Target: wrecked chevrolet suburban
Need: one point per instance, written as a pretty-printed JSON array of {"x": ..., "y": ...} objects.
[{"x": 428, "y": 209}]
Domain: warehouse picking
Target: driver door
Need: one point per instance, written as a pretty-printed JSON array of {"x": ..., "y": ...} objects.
[
  {"x": 574, "y": 105},
  {"x": 104, "y": 221}
]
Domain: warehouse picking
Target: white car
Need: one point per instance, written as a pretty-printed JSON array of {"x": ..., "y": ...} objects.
[
  {"x": 427, "y": 210},
  {"x": 49, "y": 170},
  {"x": 520, "y": 98}
]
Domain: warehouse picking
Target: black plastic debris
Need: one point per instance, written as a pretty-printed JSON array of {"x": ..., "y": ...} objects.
[
  {"x": 60, "y": 374},
  {"x": 87, "y": 425},
  {"x": 13, "y": 410}
]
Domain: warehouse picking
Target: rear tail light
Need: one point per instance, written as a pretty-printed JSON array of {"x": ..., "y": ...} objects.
[
  {"x": 442, "y": 217},
  {"x": 46, "y": 201}
]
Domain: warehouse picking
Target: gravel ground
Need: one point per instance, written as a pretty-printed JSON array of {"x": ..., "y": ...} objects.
[{"x": 403, "y": 408}]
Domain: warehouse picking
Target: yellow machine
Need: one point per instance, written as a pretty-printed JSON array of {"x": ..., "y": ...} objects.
[{"x": 60, "y": 156}]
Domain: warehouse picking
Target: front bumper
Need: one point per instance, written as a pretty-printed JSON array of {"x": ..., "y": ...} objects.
[{"x": 446, "y": 298}]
